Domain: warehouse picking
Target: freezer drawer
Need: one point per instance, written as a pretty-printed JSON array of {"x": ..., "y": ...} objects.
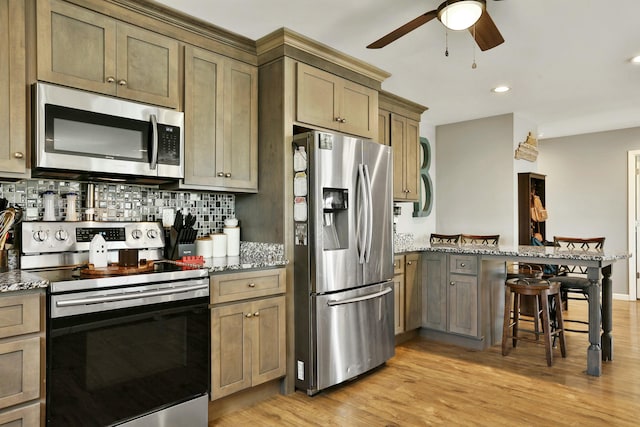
[{"x": 355, "y": 333}]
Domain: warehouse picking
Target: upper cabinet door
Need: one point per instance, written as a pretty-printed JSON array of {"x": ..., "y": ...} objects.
[
  {"x": 146, "y": 66},
  {"x": 87, "y": 50},
  {"x": 76, "y": 47},
  {"x": 359, "y": 110},
  {"x": 13, "y": 98},
  {"x": 317, "y": 101}
]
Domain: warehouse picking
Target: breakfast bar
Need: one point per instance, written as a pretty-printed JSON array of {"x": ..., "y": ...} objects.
[{"x": 600, "y": 292}]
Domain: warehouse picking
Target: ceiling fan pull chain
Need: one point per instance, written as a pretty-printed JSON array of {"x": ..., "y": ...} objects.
[
  {"x": 446, "y": 43},
  {"x": 474, "y": 66}
]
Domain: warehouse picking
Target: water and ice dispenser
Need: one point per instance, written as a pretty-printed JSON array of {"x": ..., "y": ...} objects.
[{"x": 335, "y": 220}]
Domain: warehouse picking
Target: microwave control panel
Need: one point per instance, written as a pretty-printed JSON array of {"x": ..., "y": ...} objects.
[{"x": 168, "y": 144}]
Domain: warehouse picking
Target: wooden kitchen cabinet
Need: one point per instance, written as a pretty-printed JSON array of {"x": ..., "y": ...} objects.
[
  {"x": 451, "y": 294},
  {"x": 221, "y": 122},
  {"x": 402, "y": 132},
  {"x": 248, "y": 334},
  {"x": 21, "y": 364},
  {"x": 84, "y": 49},
  {"x": 328, "y": 101},
  {"x": 13, "y": 94},
  {"x": 407, "y": 292},
  {"x": 398, "y": 293}
]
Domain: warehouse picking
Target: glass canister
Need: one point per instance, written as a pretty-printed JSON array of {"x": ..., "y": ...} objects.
[
  {"x": 49, "y": 200},
  {"x": 71, "y": 207}
]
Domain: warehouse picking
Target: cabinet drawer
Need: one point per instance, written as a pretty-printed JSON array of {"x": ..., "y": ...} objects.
[
  {"x": 19, "y": 314},
  {"x": 464, "y": 264},
  {"x": 20, "y": 368},
  {"x": 239, "y": 286},
  {"x": 27, "y": 416},
  {"x": 398, "y": 264}
]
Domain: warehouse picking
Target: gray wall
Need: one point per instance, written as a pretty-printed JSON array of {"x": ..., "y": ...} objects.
[
  {"x": 586, "y": 189},
  {"x": 475, "y": 177}
]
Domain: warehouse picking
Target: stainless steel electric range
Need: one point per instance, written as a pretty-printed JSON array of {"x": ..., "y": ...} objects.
[{"x": 127, "y": 344}]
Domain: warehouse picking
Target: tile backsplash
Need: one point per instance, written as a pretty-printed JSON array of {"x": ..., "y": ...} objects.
[{"x": 121, "y": 202}]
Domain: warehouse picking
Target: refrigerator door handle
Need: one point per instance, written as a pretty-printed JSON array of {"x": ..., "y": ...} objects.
[
  {"x": 369, "y": 213},
  {"x": 332, "y": 303},
  {"x": 363, "y": 226}
]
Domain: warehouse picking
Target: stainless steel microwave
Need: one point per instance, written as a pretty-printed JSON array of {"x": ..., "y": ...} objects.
[{"x": 81, "y": 134}]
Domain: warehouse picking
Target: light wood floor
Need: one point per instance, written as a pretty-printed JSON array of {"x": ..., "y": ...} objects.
[{"x": 433, "y": 384}]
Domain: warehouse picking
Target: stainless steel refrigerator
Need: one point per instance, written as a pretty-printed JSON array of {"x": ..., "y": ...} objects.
[{"x": 343, "y": 266}]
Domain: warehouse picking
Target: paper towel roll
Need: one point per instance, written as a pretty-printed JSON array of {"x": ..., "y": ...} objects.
[
  {"x": 233, "y": 240},
  {"x": 204, "y": 247},
  {"x": 219, "y": 246}
]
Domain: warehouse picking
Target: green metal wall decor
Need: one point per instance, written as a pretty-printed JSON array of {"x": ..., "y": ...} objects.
[{"x": 423, "y": 207}]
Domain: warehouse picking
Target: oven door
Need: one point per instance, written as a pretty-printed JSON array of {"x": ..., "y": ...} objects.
[{"x": 107, "y": 367}]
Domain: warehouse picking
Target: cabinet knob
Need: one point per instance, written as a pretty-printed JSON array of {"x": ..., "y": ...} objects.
[
  {"x": 452, "y": 283},
  {"x": 462, "y": 264},
  {"x": 110, "y": 79},
  {"x": 256, "y": 314},
  {"x": 122, "y": 82},
  {"x": 409, "y": 263},
  {"x": 18, "y": 155},
  {"x": 227, "y": 175},
  {"x": 252, "y": 285},
  {"x": 341, "y": 120},
  {"x": 248, "y": 315},
  {"x": 220, "y": 174}
]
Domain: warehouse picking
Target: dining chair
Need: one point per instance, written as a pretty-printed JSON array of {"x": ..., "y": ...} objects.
[
  {"x": 574, "y": 284},
  {"x": 453, "y": 239},
  {"x": 479, "y": 239}
]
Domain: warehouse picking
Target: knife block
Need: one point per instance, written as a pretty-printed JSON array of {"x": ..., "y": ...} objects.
[{"x": 176, "y": 250}]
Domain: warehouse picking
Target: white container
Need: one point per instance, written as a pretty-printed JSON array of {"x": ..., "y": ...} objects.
[
  {"x": 233, "y": 240},
  {"x": 231, "y": 222},
  {"x": 204, "y": 247},
  {"x": 300, "y": 184},
  {"x": 219, "y": 245},
  {"x": 71, "y": 207},
  {"x": 49, "y": 206},
  {"x": 300, "y": 159}
]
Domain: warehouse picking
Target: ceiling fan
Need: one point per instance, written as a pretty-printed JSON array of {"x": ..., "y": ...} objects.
[{"x": 455, "y": 15}]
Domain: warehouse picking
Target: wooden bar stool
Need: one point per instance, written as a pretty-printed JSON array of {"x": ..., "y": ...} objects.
[{"x": 541, "y": 290}]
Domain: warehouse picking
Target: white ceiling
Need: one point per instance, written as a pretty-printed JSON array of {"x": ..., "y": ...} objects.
[{"x": 566, "y": 60}]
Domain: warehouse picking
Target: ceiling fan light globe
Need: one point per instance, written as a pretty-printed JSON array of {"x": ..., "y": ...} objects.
[{"x": 460, "y": 14}]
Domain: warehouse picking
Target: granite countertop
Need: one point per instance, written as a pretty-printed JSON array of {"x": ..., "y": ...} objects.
[
  {"x": 252, "y": 256},
  {"x": 405, "y": 243},
  {"x": 18, "y": 280}
]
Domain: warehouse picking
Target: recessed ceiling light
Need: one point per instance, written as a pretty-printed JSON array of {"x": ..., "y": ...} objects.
[
  {"x": 635, "y": 60},
  {"x": 501, "y": 89}
]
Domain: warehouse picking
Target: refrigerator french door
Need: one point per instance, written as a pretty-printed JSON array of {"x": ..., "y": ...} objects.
[{"x": 343, "y": 258}]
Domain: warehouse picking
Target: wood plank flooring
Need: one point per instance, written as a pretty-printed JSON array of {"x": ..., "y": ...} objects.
[{"x": 427, "y": 383}]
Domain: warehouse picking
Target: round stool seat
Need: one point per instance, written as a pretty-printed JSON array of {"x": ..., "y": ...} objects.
[{"x": 541, "y": 291}]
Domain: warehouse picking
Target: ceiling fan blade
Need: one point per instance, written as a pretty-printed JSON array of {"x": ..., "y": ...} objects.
[
  {"x": 487, "y": 35},
  {"x": 406, "y": 28}
]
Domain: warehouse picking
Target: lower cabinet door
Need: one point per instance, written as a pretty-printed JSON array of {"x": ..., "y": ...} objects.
[
  {"x": 268, "y": 340},
  {"x": 230, "y": 349},
  {"x": 27, "y": 416},
  {"x": 463, "y": 304}
]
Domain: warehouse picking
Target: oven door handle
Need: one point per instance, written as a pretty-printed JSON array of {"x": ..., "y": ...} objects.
[{"x": 129, "y": 296}]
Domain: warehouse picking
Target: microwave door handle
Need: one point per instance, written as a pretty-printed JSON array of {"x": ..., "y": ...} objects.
[{"x": 154, "y": 140}]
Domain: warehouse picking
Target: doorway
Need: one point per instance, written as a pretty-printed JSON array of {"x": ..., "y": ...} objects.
[{"x": 633, "y": 203}]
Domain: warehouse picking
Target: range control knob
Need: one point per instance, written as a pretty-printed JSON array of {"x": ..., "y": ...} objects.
[
  {"x": 152, "y": 234},
  {"x": 136, "y": 234},
  {"x": 62, "y": 235},
  {"x": 40, "y": 235}
]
